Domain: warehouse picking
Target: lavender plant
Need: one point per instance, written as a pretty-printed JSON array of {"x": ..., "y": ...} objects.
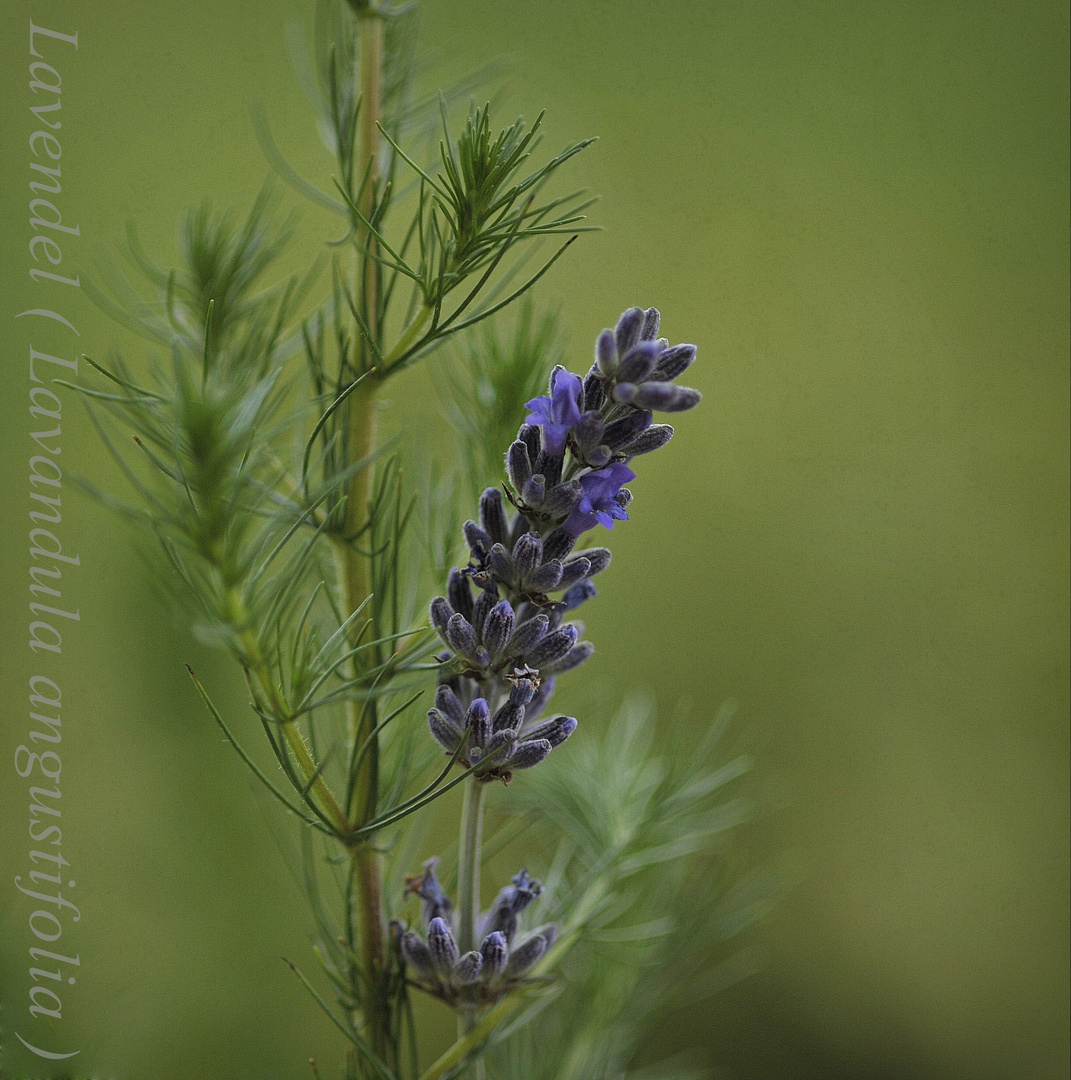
[{"x": 287, "y": 525}]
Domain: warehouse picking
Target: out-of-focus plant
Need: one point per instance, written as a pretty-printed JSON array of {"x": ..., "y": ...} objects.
[{"x": 288, "y": 527}]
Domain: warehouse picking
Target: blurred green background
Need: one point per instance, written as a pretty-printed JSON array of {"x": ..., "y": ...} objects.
[{"x": 859, "y": 213}]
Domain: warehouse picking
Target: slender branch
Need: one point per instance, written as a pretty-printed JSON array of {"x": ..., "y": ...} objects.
[
  {"x": 259, "y": 669},
  {"x": 409, "y": 336},
  {"x": 248, "y": 760}
]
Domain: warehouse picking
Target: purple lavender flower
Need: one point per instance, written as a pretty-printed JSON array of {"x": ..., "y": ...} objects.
[
  {"x": 482, "y": 976},
  {"x": 558, "y": 413},
  {"x": 436, "y": 904},
  {"x": 501, "y": 639},
  {"x": 510, "y": 740},
  {"x": 578, "y": 594},
  {"x": 502, "y": 617},
  {"x": 599, "y": 503}
]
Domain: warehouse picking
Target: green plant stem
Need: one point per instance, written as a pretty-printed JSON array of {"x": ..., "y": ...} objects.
[
  {"x": 470, "y": 842},
  {"x": 355, "y": 580},
  {"x": 468, "y": 862},
  {"x": 369, "y": 77},
  {"x": 258, "y": 668},
  {"x": 355, "y": 567},
  {"x": 360, "y": 408},
  {"x": 366, "y": 866},
  {"x": 409, "y": 335},
  {"x": 310, "y": 769}
]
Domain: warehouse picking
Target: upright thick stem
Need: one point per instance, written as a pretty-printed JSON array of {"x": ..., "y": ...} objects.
[
  {"x": 354, "y": 569},
  {"x": 369, "y": 77},
  {"x": 367, "y": 876},
  {"x": 354, "y": 565},
  {"x": 360, "y": 406}
]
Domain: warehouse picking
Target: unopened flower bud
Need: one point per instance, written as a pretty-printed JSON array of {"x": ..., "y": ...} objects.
[
  {"x": 442, "y": 946},
  {"x": 493, "y": 515},
  {"x": 467, "y": 968},
  {"x": 629, "y": 328}
]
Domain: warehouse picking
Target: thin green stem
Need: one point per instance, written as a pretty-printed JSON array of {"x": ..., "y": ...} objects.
[
  {"x": 354, "y": 567},
  {"x": 258, "y": 667},
  {"x": 311, "y": 771},
  {"x": 409, "y": 336},
  {"x": 468, "y": 868},
  {"x": 470, "y": 842}
]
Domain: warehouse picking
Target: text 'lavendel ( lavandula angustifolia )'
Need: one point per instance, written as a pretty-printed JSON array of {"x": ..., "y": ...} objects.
[{"x": 507, "y": 641}]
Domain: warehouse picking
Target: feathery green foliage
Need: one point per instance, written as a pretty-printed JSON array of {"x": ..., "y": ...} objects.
[{"x": 643, "y": 849}]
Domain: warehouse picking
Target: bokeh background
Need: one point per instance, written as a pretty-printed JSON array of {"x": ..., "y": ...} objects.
[{"x": 859, "y": 212}]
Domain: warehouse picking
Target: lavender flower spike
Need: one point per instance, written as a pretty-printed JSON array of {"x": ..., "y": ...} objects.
[
  {"x": 504, "y": 623},
  {"x": 503, "y": 616},
  {"x": 558, "y": 413}
]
